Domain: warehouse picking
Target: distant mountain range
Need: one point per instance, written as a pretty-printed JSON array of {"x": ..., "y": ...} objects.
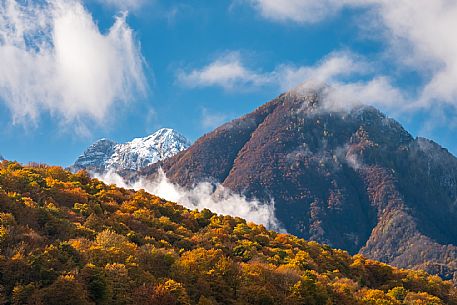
[
  {"x": 354, "y": 179},
  {"x": 106, "y": 155}
]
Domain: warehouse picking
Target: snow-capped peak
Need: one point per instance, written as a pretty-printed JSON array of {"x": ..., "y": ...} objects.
[{"x": 105, "y": 155}]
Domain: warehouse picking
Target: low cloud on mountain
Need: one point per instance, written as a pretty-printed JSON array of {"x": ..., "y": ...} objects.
[
  {"x": 417, "y": 36},
  {"x": 204, "y": 196},
  {"x": 337, "y": 72}
]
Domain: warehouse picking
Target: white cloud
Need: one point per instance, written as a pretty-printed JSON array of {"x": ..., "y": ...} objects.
[
  {"x": 301, "y": 11},
  {"x": 420, "y": 35},
  {"x": 428, "y": 28},
  {"x": 228, "y": 72},
  {"x": 211, "y": 120},
  {"x": 205, "y": 195},
  {"x": 334, "y": 77},
  {"x": 124, "y": 4},
  {"x": 333, "y": 68},
  {"x": 377, "y": 92},
  {"x": 55, "y": 59},
  {"x": 336, "y": 72}
]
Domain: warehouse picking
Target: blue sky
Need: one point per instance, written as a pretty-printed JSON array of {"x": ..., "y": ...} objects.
[{"x": 86, "y": 70}]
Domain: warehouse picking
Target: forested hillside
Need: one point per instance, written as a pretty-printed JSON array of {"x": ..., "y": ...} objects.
[{"x": 69, "y": 239}]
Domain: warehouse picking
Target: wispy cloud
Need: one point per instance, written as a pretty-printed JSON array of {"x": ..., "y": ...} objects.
[
  {"x": 350, "y": 79},
  {"x": 301, "y": 11},
  {"x": 419, "y": 35},
  {"x": 377, "y": 91},
  {"x": 211, "y": 120},
  {"x": 334, "y": 68},
  {"x": 228, "y": 71},
  {"x": 125, "y": 4},
  {"x": 345, "y": 80},
  {"x": 205, "y": 196},
  {"x": 54, "y": 59}
]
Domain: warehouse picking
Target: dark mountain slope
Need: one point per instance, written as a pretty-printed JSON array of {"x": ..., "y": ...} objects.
[
  {"x": 212, "y": 156},
  {"x": 354, "y": 179}
]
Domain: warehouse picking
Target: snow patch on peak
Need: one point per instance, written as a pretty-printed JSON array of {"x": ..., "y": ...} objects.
[
  {"x": 141, "y": 152},
  {"x": 95, "y": 157},
  {"x": 105, "y": 155}
]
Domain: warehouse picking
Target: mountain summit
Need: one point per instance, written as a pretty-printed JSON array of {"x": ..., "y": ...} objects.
[
  {"x": 354, "y": 179},
  {"x": 105, "y": 155}
]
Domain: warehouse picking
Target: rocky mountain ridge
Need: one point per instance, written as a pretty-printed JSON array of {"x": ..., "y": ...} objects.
[{"x": 105, "y": 155}]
